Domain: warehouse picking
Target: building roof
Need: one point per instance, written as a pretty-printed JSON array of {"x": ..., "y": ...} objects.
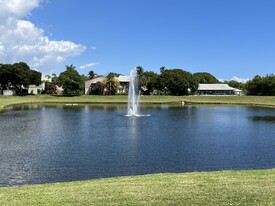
[
  {"x": 95, "y": 80},
  {"x": 122, "y": 78},
  {"x": 217, "y": 87}
]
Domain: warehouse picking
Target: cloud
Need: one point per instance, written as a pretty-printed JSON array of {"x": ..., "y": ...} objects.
[
  {"x": 88, "y": 65},
  {"x": 93, "y": 47},
  {"x": 238, "y": 79},
  {"x": 21, "y": 40},
  {"x": 16, "y": 8}
]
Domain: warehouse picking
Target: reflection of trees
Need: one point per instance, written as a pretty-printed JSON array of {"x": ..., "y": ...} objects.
[{"x": 270, "y": 119}]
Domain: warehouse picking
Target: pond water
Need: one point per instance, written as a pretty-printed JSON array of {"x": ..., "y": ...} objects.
[{"x": 52, "y": 143}]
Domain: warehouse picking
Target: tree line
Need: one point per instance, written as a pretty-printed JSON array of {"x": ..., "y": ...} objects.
[
  {"x": 18, "y": 76},
  {"x": 261, "y": 86},
  {"x": 168, "y": 82}
]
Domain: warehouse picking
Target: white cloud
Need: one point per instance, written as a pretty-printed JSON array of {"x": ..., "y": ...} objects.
[
  {"x": 238, "y": 79},
  {"x": 93, "y": 47},
  {"x": 21, "y": 40},
  {"x": 88, "y": 65},
  {"x": 16, "y": 8}
]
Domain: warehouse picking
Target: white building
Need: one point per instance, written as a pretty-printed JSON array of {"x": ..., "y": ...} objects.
[
  {"x": 33, "y": 89},
  {"x": 8, "y": 92},
  {"x": 218, "y": 89}
]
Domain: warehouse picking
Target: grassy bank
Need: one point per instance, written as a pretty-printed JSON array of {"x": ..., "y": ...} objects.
[
  {"x": 198, "y": 188},
  {"x": 249, "y": 100}
]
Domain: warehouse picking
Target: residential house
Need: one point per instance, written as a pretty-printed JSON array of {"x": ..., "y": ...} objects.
[
  {"x": 123, "y": 83},
  {"x": 34, "y": 89}
]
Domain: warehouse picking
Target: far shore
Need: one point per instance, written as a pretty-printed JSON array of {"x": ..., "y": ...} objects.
[{"x": 265, "y": 101}]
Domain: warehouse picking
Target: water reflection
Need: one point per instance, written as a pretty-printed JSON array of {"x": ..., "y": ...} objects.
[
  {"x": 269, "y": 119},
  {"x": 132, "y": 128},
  {"x": 68, "y": 106}
]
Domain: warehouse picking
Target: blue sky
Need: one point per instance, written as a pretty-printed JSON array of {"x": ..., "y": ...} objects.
[{"x": 227, "y": 38}]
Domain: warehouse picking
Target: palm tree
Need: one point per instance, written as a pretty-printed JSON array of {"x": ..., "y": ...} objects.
[
  {"x": 142, "y": 81},
  {"x": 71, "y": 67},
  {"x": 92, "y": 74},
  {"x": 111, "y": 83},
  {"x": 140, "y": 70}
]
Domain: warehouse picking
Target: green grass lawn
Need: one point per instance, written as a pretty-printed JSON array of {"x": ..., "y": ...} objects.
[
  {"x": 251, "y": 187},
  {"x": 250, "y": 100},
  {"x": 199, "y": 188}
]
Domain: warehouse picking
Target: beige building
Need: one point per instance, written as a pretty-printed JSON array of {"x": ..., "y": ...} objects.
[{"x": 123, "y": 83}]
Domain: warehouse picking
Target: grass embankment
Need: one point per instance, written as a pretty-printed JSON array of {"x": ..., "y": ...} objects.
[
  {"x": 198, "y": 188},
  {"x": 247, "y": 100}
]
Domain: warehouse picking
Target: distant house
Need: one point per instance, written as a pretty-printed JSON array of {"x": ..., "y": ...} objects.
[
  {"x": 34, "y": 89},
  {"x": 123, "y": 81},
  {"x": 9, "y": 92},
  {"x": 217, "y": 89},
  {"x": 123, "y": 84},
  {"x": 92, "y": 82}
]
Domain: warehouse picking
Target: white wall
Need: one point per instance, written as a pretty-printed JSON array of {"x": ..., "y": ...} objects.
[{"x": 8, "y": 92}]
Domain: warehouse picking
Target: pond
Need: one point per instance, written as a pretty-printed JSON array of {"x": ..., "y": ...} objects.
[{"x": 52, "y": 143}]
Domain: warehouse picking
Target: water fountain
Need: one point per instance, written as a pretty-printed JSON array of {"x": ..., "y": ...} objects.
[{"x": 133, "y": 95}]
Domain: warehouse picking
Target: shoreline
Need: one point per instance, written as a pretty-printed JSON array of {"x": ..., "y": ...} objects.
[{"x": 6, "y": 101}]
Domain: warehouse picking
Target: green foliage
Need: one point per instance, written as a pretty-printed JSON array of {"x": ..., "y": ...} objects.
[
  {"x": 205, "y": 78},
  {"x": 71, "y": 81},
  {"x": 112, "y": 75},
  {"x": 5, "y": 75},
  {"x": 141, "y": 79},
  {"x": 162, "y": 69},
  {"x": 177, "y": 82},
  {"x": 97, "y": 89},
  {"x": 18, "y": 74},
  {"x": 146, "y": 80},
  {"x": 140, "y": 70},
  {"x": 84, "y": 78},
  {"x": 50, "y": 88},
  {"x": 54, "y": 78},
  {"x": 149, "y": 81},
  {"x": 111, "y": 84},
  {"x": 235, "y": 84},
  {"x": 261, "y": 86},
  {"x": 91, "y": 74}
]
